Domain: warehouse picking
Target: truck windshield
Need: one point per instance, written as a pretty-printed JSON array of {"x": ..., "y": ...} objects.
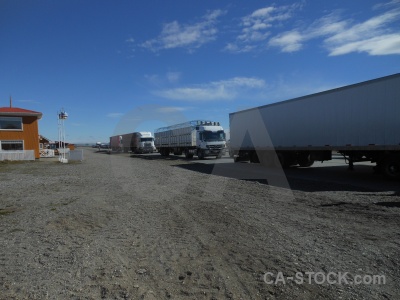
[
  {"x": 214, "y": 136},
  {"x": 149, "y": 139}
]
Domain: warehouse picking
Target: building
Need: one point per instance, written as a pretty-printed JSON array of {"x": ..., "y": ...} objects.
[
  {"x": 19, "y": 129},
  {"x": 44, "y": 143}
]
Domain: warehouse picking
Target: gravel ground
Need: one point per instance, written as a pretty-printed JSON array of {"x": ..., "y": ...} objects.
[{"x": 122, "y": 227}]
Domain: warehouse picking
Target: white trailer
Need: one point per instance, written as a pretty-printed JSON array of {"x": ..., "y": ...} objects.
[
  {"x": 137, "y": 142},
  {"x": 360, "y": 121},
  {"x": 199, "y": 137}
]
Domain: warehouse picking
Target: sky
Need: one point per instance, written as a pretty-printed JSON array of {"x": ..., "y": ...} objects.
[{"x": 122, "y": 66}]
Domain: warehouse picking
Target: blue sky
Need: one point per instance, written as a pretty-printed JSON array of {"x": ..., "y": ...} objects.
[{"x": 124, "y": 66}]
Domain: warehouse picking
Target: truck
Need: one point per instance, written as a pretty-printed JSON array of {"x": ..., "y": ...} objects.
[
  {"x": 199, "y": 137},
  {"x": 361, "y": 122},
  {"x": 136, "y": 142}
]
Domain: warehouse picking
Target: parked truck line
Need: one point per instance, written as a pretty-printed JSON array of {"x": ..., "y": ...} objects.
[{"x": 136, "y": 142}]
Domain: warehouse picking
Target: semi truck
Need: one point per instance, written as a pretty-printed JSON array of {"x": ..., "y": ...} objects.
[
  {"x": 199, "y": 137},
  {"x": 136, "y": 142},
  {"x": 359, "y": 121}
]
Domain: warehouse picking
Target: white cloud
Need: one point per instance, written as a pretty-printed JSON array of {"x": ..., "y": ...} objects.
[
  {"x": 234, "y": 48},
  {"x": 327, "y": 25},
  {"x": 373, "y": 36},
  {"x": 191, "y": 36},
  {"x": 381, "y": 45},
  {"x": 256, "y": 27},
  {"x": 219, "y": 90},
  {"x": 290, "y": 41},
  {"x": 370, "y": 28}
]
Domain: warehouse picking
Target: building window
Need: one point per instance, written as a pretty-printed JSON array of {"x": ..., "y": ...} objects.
[
  {"x": 10, "y": 123},
  {"x": 11, "y": 145}
]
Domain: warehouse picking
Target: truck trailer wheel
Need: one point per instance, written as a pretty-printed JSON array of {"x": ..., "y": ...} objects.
[
  {"x": 200, "y": 154},
  {"x": 305, "y": 160},
  {"x": 164, "y": 152},
  {"x": 391, "y": 167},
  {"x": 188, "y": 154},
  {"x": 237, "y": 159}
]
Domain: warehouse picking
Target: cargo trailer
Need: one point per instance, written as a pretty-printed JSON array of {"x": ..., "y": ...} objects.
[{"x": 359, "y": 121}]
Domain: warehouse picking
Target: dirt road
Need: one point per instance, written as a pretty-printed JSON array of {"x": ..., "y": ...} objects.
[{"x": 122, "y": 227}]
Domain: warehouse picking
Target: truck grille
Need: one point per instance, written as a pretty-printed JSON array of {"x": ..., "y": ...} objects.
[{"x": 214, "y": 147}]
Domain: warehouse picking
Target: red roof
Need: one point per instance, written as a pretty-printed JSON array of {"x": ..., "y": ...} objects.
[{"x": 16, "y": 111}]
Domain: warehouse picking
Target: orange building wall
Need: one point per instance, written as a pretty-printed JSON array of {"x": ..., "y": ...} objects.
[{"x": 29, "y": 134}]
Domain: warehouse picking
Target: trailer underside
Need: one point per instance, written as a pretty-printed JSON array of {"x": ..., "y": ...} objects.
[{"x": 387, "y": 160}]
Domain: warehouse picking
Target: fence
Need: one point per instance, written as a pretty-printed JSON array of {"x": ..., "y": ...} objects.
[
  {"x": 75, "y": 155},
  {"x": 47, "y": 153},
  {"x": 17, "y": 155}
]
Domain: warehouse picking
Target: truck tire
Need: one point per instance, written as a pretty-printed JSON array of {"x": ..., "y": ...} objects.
[
  {"x": 305, "y": 160},
  {"x": 164, "y": 151},
  {"x": 391, "y": 167},
  {"x": 237, "y": 159},
  {"x": 200, "y": 154},
  {"x": 188, "y": 154}
]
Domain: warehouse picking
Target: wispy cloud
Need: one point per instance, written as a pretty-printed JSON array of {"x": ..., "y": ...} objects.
[
  {"x": 219, "y": 90},
  {"x": 290, "y": 41},
  {"x": 373, "y": 36},
  {"x": 158, "y": 80},
  {"x": 170, "y": 109},
  {"x": 173, "y": 77},
  {"x": 381, "y": 45},
  {"x": 189, "y": 36},
  {"x": 342, "y": 36},
  {"x": 114, "y": 115},
  {"x": 257, "y": 26}
]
